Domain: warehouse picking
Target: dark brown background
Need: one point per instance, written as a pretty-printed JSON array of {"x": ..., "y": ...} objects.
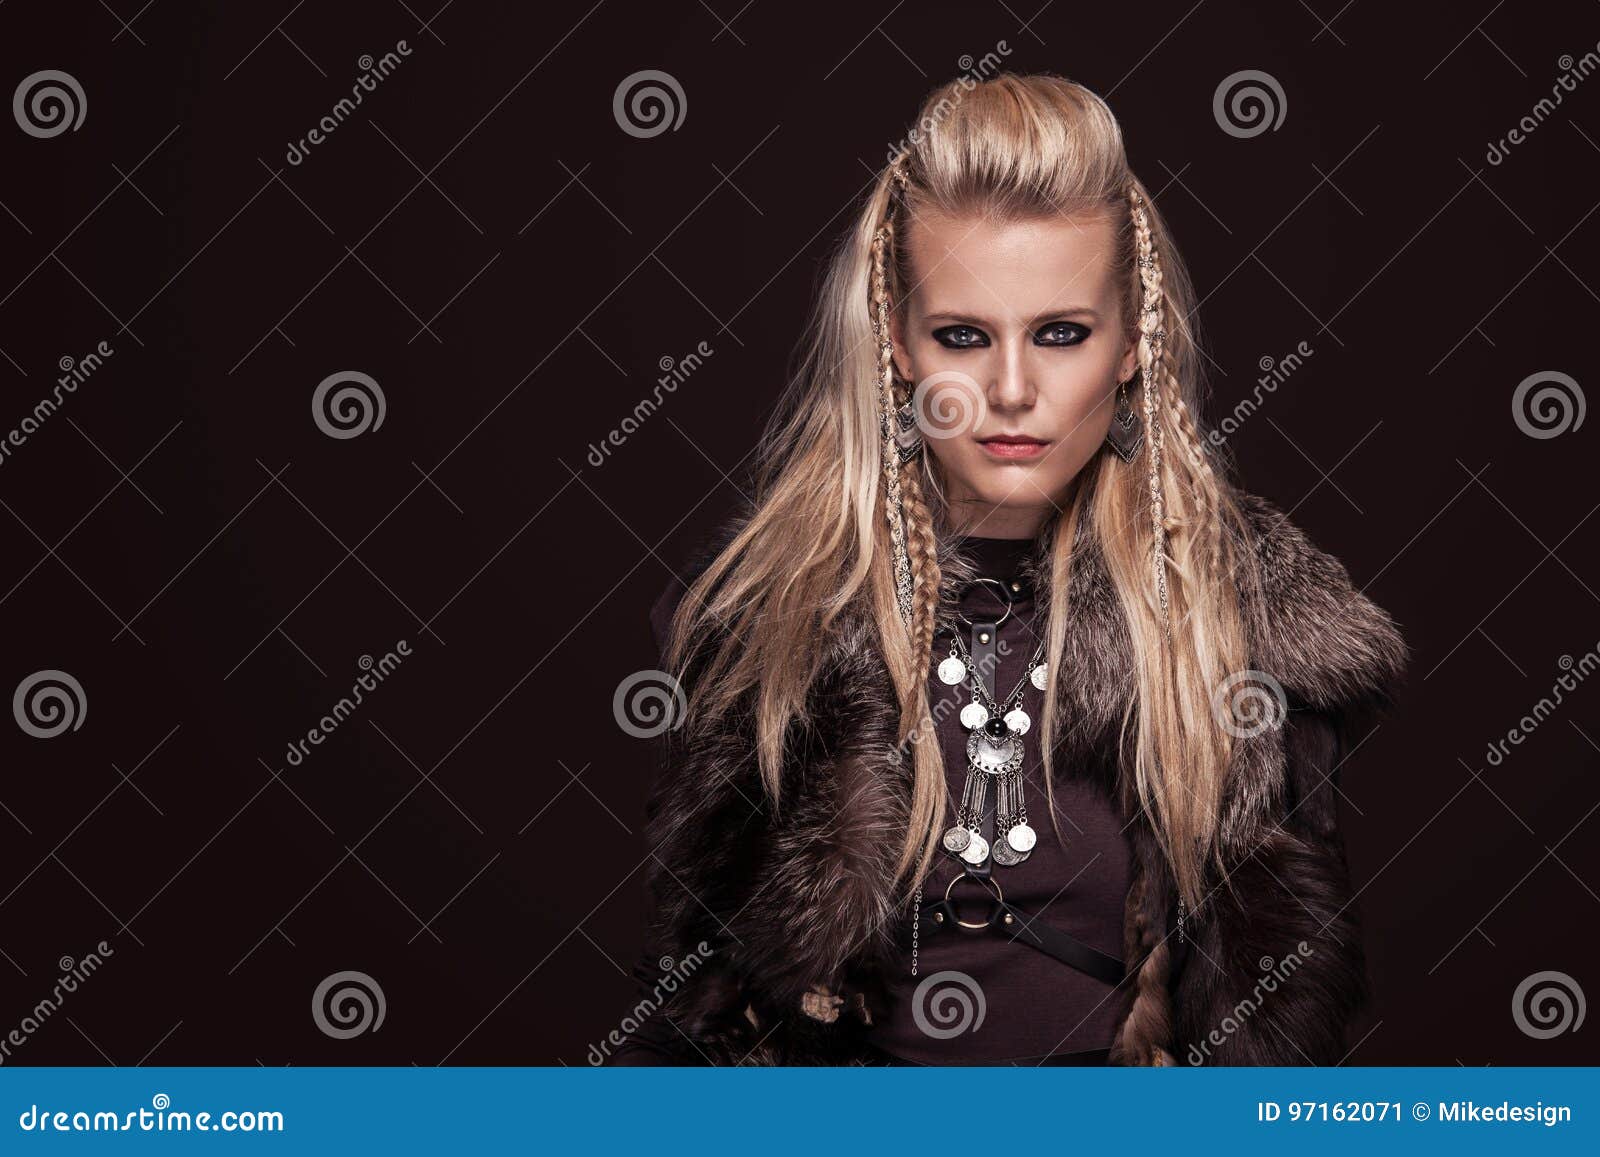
[{"x": 484, "y": 240}]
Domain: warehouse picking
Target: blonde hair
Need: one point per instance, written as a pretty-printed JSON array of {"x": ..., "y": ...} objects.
[{"x": 1012, "y": 148}]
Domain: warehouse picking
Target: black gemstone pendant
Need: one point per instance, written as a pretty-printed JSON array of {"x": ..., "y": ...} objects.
[{"x": 996, "y": 727}]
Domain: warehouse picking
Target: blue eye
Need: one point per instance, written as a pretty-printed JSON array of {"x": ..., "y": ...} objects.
[
  {"x": 1061, "y": 333},
  {"x": 961, "y": 337}
]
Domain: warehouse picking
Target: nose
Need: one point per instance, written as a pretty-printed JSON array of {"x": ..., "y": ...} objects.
[{"x": 1011, "y": 387}]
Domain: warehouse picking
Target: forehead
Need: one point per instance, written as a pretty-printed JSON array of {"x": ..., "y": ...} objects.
[{"x": 1011, "y": 269}]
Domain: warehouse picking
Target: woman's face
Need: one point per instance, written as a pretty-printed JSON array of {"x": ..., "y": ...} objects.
[{"x": 1014, "y": 337}]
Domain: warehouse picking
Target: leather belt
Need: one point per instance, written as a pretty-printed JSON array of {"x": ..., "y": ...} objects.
[{"x": 1006, "y": 920}]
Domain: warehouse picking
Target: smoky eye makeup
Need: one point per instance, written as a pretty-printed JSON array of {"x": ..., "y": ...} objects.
[
  {"x": 960, "y": 337},
  {"x": 1061, "y": 333}
]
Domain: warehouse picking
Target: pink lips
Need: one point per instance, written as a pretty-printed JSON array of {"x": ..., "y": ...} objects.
[{"x": 1014, "y": 449}]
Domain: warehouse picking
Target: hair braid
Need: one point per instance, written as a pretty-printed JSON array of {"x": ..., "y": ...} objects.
[
  {"x": 1142, "y": 1037},
  {"x": 1155, "y": 379}
]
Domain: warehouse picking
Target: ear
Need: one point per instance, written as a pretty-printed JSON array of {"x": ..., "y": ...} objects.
[
  {"x": 1129, "y": 363},
  {"x": 902, "y": 360}
]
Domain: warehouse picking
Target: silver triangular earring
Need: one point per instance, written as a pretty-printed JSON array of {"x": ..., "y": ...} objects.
[{"x": 1126, "y": 434}]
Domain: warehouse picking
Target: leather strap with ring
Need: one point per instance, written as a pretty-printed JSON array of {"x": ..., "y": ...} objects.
[{"x": 1008, "y": 921}]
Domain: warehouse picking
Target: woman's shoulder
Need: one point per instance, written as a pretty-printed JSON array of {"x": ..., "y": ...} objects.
[{"x": 1311, "y": 627}]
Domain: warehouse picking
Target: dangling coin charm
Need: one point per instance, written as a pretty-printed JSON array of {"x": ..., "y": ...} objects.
[
  {"x": 1006, "y": 855},
  {"x": 1017, "y": 720},
  {"x": 977, "y": 851},
  {"x": 952, "y": 671},
  {"x": 1038, "y": 675},
  {"x": 957, "y": 839},
  {"x": 974, "y": 716},
  {"x": 1021, "y": 837}
]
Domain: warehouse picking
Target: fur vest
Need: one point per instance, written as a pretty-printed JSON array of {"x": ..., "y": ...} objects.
[{"x": 800, "y": 900}]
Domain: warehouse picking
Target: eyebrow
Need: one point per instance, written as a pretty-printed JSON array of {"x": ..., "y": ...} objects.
[{"x": 973, "y": 319}]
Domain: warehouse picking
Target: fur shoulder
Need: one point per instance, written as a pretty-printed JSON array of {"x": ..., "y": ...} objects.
[{"x": 1328, "y": 644}]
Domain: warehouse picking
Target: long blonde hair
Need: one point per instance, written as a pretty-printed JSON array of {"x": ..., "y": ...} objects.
[{"x": 1012, "y": 147}]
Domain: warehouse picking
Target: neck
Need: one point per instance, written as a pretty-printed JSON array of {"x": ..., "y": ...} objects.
[{"x": 978, "y": 520}]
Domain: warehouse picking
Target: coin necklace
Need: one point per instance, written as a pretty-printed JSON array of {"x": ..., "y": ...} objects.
[{"x": 994, "y": 752}]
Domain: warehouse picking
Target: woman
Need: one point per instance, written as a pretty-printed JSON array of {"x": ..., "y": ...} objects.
[{"x": 988, "y": 480}]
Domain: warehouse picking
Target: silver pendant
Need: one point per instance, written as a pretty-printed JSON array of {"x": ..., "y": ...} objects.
[
  {"x": 957, "y": 839},
  {"x": 1038, "y": 675},
  {"x": 1022, "y": 838},
  {"x": 974, "y": 716},
  {"x": 991, "y": 757},
  {"x": 977, "y": 850},
  {"x": 1006, "y": 855},
  {"x": 1018, "y": 721},
  {"x": 952, "y": 671}
]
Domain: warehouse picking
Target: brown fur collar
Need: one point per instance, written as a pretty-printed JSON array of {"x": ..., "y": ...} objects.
[{"x": 800, "y": 897}]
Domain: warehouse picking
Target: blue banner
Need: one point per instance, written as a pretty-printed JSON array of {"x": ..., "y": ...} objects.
[{"x": 791, "y": 1111}]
